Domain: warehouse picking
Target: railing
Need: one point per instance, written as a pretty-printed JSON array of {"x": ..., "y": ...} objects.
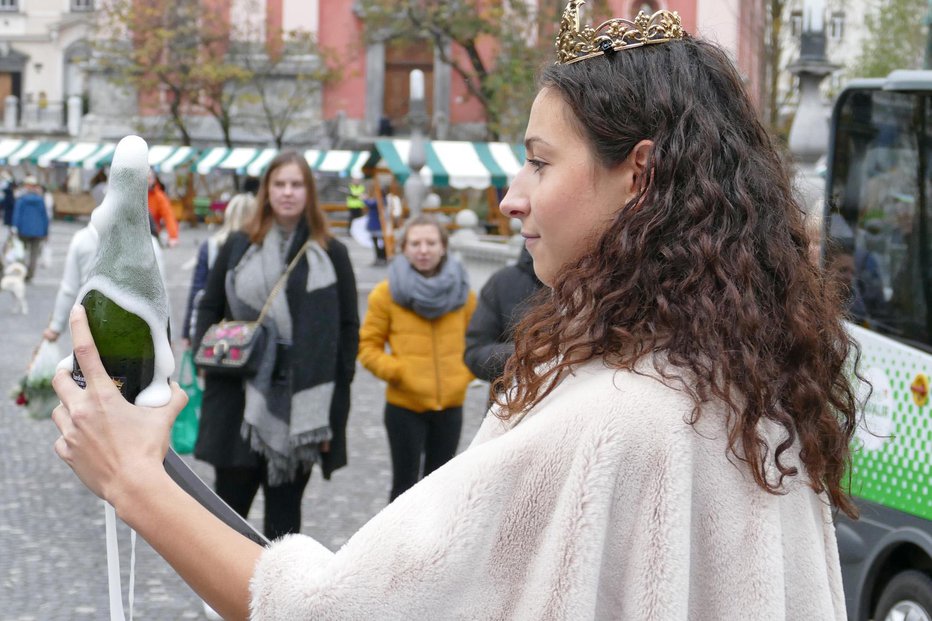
[{"x": 41, "y": 115}]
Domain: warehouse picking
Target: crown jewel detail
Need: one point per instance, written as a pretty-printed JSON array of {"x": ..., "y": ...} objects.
[{"x": 575, "y": 44}]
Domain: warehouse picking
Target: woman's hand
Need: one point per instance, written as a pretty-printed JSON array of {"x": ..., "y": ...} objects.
[{"x": 107, "y": 441}]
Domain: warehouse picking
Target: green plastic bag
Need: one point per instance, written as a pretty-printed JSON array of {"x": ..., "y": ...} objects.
[{"x": 184, "y": 431}]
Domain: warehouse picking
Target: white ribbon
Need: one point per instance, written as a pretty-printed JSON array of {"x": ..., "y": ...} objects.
[{"x": 113, "y": 567}]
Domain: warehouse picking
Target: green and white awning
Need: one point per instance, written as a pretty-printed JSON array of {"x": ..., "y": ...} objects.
[
  {"x": 253, "y": 161},
  {"x": 86, "y": 155},
  {"x": 31, "y": 151},
  {"x": 166, "y": 158},
  {"x": 337, "y": 162},
  {"x": 8, "y": 147},
  {"x": 456, "y": 164}
]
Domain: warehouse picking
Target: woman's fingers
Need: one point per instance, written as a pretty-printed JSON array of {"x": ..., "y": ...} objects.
[
  {"x": 85, "y": 351},
  {"x": 61, "y": 449},
  {"x": 64, "y": 386},
  {"x": 62, "y": 419},
  {"x": 177, "y": 402}
]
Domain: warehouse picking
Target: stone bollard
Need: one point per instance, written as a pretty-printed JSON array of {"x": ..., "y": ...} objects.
[
  {"x": 10, "y": 112},
  {"x": 74, "y": 115}
]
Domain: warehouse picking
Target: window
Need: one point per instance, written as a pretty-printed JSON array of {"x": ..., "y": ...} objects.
[
  {"x": 837, "y": 26},
  {"x": 879, "y": 222},
  {"x": 80, "y": 6},
  {"x": 796, "y": 23},
  {"x": 9, "y": 5}
]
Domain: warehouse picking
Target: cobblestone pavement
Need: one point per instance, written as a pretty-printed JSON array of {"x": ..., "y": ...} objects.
[{"x": 52, "y": 555}]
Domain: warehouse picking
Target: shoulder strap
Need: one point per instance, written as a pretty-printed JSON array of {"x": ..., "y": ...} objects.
[{"x": 281, "y": 281}]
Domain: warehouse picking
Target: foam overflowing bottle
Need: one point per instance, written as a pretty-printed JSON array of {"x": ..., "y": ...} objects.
[{"x": 127, "y": 308}]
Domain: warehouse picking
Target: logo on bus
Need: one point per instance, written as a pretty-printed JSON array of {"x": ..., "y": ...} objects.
[{"x": 920, "y": 389}]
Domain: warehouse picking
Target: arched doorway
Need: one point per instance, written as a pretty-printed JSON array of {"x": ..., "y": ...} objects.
[
  {"x": 12, "y": 64},
  {"x": 401, "y": 57}
]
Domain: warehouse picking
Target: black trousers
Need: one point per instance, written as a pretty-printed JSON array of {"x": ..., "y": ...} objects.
[
  {"x": 238, "y": 486},
  {"x": 433, "y": 436}
]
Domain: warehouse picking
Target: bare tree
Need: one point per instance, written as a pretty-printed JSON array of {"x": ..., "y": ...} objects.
[
  {"x": 283, "y": 82},
  {"x": 503, "y": 81}
]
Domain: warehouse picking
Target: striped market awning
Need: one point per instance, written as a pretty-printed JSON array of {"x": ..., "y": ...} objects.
[
  {"x": 455, "y": 164},
  {"x": 253, "y": 161},
  {"x": 86, "y": 155},
  {"x": 31, "y": 151},
  {"x": 166, "y": 158}
]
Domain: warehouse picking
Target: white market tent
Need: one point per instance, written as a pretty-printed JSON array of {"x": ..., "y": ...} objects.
[
  {"x": 166, "y": 158},
  {"x": 252, "y": 161},
  {"x": 456, "y": 164},
  {"x": 86, "y": 155}
]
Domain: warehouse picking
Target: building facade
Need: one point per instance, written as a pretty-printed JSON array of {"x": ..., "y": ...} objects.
[
  {"x": 45, "y": 57},
  {"x": 43, "y": 51}
]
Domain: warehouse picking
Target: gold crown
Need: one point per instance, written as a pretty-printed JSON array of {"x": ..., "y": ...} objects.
[{"x": 575, "y": 44}]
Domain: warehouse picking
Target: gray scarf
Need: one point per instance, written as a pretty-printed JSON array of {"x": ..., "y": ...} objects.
[
  {"x": 428, "y": 296},
  {"x": 286, "y": 427}
]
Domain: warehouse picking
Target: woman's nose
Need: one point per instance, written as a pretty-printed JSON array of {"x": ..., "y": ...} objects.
[{"x": 515, "y": 203}]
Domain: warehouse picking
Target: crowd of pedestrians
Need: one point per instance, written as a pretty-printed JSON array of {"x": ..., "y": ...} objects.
[
  {"x": 414, "y": 336},
  {"x": 631, "y": 407}
]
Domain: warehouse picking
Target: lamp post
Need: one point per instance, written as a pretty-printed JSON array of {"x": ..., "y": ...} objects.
[
  {"x": 417, "y": 155},
  {"x": 928, "y": 59},
  {"x": 808, "y": 138}
]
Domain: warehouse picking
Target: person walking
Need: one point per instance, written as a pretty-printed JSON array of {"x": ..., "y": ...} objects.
[
  {"x": 420, "y": 313},
  {"x": 98, "y": 185},
  {"x": 376, "y": 232},
  {"x": 238, "y": 212},
  {"x": 675, "y": 433},
  {"x": 503, "y": 300},
  {"x": 31, "y": 222},
  {"x": 161, "y": 210},
  {"x": 79, "y": 259},
  {"x": 293, "y": 412},
  {"x": 7, "y": 203}
]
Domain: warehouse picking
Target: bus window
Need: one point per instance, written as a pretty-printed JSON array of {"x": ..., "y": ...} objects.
[{"x": 879, "y": 239}]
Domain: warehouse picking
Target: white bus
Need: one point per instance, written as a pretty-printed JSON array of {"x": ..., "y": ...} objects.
[{"x": 877, "y": 232}]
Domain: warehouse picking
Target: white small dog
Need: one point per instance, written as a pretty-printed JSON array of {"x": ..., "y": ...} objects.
[{"x": 14, "y": 281}]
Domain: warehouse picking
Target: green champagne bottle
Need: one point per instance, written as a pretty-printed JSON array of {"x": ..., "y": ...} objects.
[
  {"x": 127, "y": 308},
  {"x": 124, "y": 342}
]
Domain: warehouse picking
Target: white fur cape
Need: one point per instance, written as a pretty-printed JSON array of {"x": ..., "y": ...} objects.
[{"x": 601, "y": 504}]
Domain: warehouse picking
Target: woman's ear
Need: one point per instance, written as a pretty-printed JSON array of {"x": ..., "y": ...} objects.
[
  {"x": 635, "y": 175},
  {"x": 639, "y": 159}
]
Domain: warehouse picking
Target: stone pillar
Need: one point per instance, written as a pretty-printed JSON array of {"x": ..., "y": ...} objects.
[
  {"x": 442, "y": 90},
  {"x": 10, "y": 112},
  {"x": 74, "y": 115},
  {"x": 375, "y": 86}
]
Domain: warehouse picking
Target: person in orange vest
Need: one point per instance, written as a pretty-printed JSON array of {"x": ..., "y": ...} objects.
[{"x": 161, "y": 209}]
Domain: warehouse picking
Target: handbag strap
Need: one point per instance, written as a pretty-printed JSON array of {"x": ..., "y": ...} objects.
[{"x": 281, "y": 281}]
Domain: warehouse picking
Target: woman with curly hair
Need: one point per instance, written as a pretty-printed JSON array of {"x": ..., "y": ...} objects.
[{"x": 671, "y": 437}]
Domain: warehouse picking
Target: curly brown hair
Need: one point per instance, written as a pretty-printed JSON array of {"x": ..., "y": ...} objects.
[{"x": 707, "y": 264}]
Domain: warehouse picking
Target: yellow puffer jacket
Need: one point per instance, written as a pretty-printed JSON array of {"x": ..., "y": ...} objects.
[{"x": 424, "y": 367}]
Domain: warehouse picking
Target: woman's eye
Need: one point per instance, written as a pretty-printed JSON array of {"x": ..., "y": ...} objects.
[{"x": 537, "y": 165}]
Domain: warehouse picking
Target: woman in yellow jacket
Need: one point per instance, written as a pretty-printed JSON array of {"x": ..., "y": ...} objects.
[{"x": 421, "y": 312}]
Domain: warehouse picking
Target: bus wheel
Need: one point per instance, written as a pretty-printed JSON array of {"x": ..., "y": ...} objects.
[{"x": 908, "y": 597}]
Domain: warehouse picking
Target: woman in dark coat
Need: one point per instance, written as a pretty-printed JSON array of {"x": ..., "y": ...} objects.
[
  {"x": 269, "y": 430},
  {"x": 490, "y": 337}
]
